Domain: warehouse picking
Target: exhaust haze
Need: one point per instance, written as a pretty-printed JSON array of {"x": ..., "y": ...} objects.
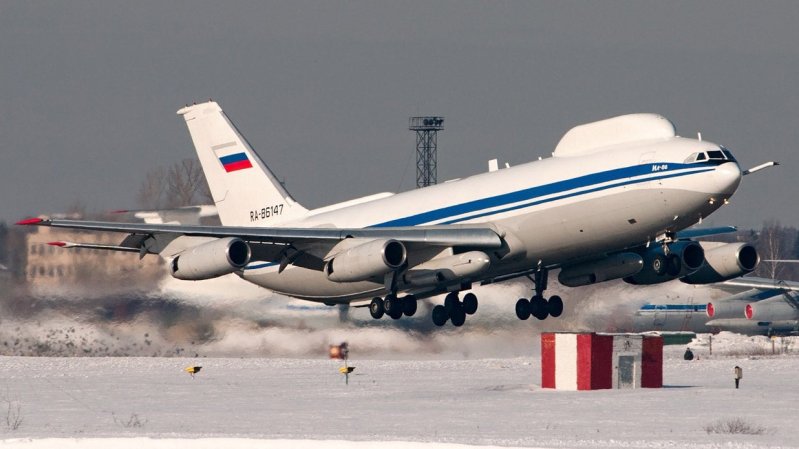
[{"x": 229, "y": 317}]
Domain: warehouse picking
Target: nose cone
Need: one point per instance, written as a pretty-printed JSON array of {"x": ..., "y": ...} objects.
[{"x": 728, "y": 177}]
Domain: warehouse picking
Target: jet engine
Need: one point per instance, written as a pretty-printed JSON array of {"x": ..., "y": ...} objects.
[
  {"x": 210, "y": 260},
  {"x": 733, "y": 306},
  {"x": 613, "y": 267},
  {"x": 365, "y": 261},
  {"x": 449, "y": 268},
  {"x": 724, "y": 261},
  {"x": 660, "y": 265},
  {"x": 726, "y": 308},
  {"x": 774, "y": 309}
]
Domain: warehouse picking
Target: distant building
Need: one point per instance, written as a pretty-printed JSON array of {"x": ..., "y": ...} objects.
[{"x": 51, "y": 268}]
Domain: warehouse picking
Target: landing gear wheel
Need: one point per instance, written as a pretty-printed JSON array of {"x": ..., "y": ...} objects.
[
  {"x": 538, "y": 307},
  {"x": 659, "y": 265},
  {"x": 376, "y": 308},
  {"x": 395, "y": 314},
  {"x": 523, "y": 308},
  {"x": 555, "y": 306},
  {"x": 458, "y": 316},
  {"x": 440, "y": 315},
  {"x": 673, "y": 265},
  {"x": 392, "y": 304},
  {"x": 470, "y": 303},
  {"x": 409, "y": 305},
  {"x": 451, "y": 301}
]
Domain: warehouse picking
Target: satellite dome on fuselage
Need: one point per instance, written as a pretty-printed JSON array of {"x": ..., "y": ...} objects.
[{"x": 604, "y": 134}]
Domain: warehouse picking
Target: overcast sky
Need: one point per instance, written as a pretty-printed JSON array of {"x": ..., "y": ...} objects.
[{"x": 323, "y": 90}]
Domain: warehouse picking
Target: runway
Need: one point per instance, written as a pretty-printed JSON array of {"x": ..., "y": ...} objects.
[{"x": 478, "y": 402}]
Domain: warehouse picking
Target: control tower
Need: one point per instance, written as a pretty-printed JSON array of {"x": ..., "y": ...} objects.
[{"x": 427, "y": 129}]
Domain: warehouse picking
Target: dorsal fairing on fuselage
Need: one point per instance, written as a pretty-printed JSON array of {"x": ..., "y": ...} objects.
[
  {"x": 635, "y": 131},
  {"x": 614, "y": 132}
]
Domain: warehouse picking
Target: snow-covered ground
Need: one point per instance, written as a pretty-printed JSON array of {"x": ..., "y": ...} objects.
[{"x": 257, "y": 402}]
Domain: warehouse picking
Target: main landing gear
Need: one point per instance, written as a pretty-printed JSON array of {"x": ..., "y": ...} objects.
[
  {"x": 454, "y": 309},
  {"x": 393, "y": 306},
  {"x": 537, "y": 306}
]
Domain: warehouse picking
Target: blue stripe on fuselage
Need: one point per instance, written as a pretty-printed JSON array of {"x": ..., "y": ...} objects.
[
  {"x": 619, "y": 174},
  {"x": 673, "y": 308}
]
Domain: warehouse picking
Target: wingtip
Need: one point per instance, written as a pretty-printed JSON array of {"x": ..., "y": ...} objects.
[
  {"x": 30, "y": 221},
  {"x": 61, "y": 244}
]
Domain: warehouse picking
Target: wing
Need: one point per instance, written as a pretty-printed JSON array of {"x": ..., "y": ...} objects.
[
  {"x": 303, "y": 246},
  {"x": 759, "y": 283},
  {"x": 704, "y": 232}
]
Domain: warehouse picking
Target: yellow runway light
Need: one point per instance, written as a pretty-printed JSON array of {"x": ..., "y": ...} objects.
[{"x": 193, "y": 370}]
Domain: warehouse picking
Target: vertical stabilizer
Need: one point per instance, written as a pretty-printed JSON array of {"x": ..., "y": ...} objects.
[{"x": 245, "y": 191}]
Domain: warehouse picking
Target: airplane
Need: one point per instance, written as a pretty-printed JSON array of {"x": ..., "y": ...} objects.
[
  {"x": 746, "y": 305},
  {"x": 614, "y": 201}
]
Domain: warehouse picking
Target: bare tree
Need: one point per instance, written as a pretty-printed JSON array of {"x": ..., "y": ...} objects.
[
  {"x": 181, "y": 184},
  {"x": 153, "y": 189},
  {"x": 184, "y": 182},
  {"x": 775, "y": 242}
]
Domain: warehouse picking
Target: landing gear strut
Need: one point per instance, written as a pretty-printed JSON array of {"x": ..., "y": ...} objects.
[
  {"x": 538, "y": 306},
  {"x": 454, "y": 309}
]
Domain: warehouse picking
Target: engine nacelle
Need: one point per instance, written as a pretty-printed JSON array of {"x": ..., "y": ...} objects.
[
  {"x": 447, "y": 269},
  {"x": 774, "y": 309},
  {"x": 724, "y": 261},
  {"x": 366, "y": 261},
  {"x": 613, "y": 267},
  {"x": 733, "y": 307},
  {"x": 725, "y": 308},
  {"x": 209, "y": 260},
  {"x": 682, "y": 259}
]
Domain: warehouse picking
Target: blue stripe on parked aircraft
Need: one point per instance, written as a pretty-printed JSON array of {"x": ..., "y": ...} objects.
[{"x": 674, "y": 307}]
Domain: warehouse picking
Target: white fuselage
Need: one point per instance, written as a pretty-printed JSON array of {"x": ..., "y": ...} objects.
[{"x": 556, "y": 211}]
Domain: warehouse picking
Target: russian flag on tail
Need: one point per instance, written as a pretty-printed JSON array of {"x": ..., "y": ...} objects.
[{"x": 234, "y": 162}]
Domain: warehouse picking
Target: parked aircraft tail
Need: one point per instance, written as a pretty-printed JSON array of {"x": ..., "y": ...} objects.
[{"x": 245, "y": 191}]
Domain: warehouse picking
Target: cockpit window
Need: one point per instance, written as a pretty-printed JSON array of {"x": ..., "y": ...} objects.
[
  {"x": 727, "y": 154},
  {"x": 715, "y": 155},
  {"x": 722, "y": 154}
]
